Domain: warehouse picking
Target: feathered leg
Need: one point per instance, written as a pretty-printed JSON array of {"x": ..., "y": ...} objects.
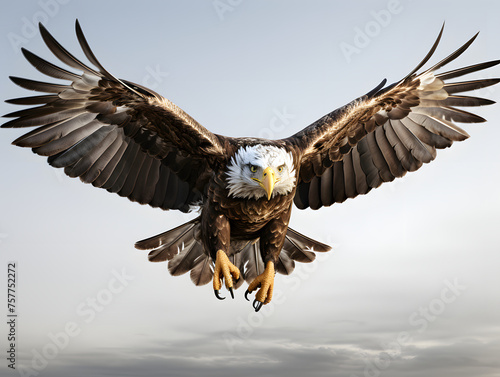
[
  {"x": 216, "y": 237},
  {"x": 271, "y": 242}
]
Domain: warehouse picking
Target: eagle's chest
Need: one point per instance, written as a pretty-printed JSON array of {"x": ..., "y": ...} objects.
[
  {"x": 247, "y": 215},
  {"x": 253, "y": 211}
]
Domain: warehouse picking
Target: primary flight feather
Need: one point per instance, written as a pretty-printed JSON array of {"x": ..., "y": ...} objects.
[{"x": 127, "y": 139}]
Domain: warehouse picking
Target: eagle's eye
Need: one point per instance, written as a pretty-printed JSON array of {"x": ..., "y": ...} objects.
[
  {"x": 253, "y": 168},
  {"x": 281, "y": 167}
]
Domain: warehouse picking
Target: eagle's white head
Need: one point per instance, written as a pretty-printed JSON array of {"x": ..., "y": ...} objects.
[{"x": 260, "y": 171}]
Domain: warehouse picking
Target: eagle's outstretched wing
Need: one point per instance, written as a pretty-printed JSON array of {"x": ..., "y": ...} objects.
[
  {"x": 386, "y": 133},
  {"x": 113, "y": 133}
]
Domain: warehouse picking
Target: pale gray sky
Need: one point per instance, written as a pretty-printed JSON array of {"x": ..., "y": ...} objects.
[{"x": 411, "y": 286}]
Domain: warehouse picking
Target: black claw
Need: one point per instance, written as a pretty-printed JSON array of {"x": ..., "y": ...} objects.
[
  {"x": 217, "y": 294},
  {"x": 230, "y": 289},
  {"x": 246, "y": 294},
  {"x": 257, "y": 305}
]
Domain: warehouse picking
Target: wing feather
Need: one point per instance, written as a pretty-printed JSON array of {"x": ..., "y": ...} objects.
[
  {"x": 367, "y": 165},
  {"x": 81, "y": 149},
  {"x": 389, "y": 153},
  {"x": 79, "y": 168},
  {"x": 387, "y": 132},
  {"x": 145, "y": 189},
  {"x": 38, "y": 86},
  {"x": 48, "y": 68},
  {"x": 108, "y": 162},
  {"x": 403, "y": 155},
  {"x": 379, "y": 162},
  {"x": 326, "y": 189},
  {"x": 411, "y": 142},
  {"x": 339, "y": 194},
  {"x": 113, "y": 133},
  {"x": 132, "y": 177},
  {"x": 122, "y": 164},
  {"x": 361, "y": 179},
  {"x": 349, "y": 177}
]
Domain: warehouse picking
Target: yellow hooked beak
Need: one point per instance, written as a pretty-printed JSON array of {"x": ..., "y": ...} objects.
[{"x": 268, "y": 181}]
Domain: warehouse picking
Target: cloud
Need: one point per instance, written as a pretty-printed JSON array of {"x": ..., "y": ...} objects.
[{"x": 284, "y": 352}]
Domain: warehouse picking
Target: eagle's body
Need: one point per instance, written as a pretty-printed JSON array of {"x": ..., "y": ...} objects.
[
  {"x": 249, "y": 226},
  {"x": 129, "y": 140},
  {"x": 245, "y": 218}
]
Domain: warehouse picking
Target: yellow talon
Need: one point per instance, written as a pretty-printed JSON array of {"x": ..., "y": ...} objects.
[
  {"x": 266, "y": 283},
  {"x": 224, "y": 269}
]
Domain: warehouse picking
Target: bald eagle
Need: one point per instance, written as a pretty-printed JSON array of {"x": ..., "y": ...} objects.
[{"x": 129, "y": 140}]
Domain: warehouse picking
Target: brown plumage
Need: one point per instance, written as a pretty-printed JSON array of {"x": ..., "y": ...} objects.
[{"x": 129, "y": 140}]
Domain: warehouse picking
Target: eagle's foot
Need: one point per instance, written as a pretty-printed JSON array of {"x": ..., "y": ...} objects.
[
  {"x": 265, "y": 281},
  {"x": 224, "y": 269}
]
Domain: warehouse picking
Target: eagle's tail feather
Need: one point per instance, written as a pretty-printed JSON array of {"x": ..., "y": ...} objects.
[
  {"x": 167, "y": 245},
  {"x": 251, "y": 264},
  {"x": 238, "y": 260},
  {"x": 300, "y": 248},
  {"x": 305, "y": 242},
  {"x": 297, "y": 247},
  {"x": 203, "y": 271},
  {"x": 183, "y": 250}
]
